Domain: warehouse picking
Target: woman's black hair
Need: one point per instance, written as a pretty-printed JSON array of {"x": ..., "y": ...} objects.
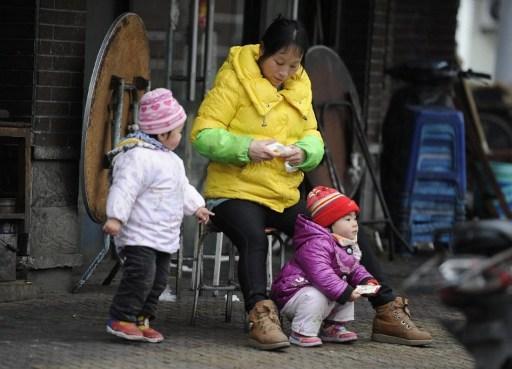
[{"x": 283, "y": 33}]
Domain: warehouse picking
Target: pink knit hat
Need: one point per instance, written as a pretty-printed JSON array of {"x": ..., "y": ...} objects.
[
  {"x": 327, "y": 205},
  {"x": 159, "y": 112}
]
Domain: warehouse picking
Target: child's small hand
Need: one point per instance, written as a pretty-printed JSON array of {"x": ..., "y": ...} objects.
[
  {"x": 112, "y": 226},
  {"x": 373, "y": 282},
  {"x": 203, "y": 215},
  {"x": 354, "y": 296}
]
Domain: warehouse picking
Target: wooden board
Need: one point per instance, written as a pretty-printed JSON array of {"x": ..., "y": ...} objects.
[
  {"x": 331, "y": 82},
  {"x": 124, "y": 53}
]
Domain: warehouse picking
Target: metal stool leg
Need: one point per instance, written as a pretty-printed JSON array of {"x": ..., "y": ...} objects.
[
  {"x": 231, "y": 277},
  {"x": 94, "y": 263},
  {"x": 179, "y": 265},
  {"x": 197, "y": 269},
  {"x": 273, "y": 236},
  {"x": 179, "y": 271},
  {"x": 199, "y": 284},
  {"x": 217, "y": 260},
  {"x": 197, "y": 240},
  {"x": 270, "y": 275},
  {"x": 282, "y": 251}
]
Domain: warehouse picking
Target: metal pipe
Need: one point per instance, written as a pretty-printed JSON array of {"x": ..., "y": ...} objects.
[
  {"x": 170, "y": 38},
  {"x": 193, "y": 52},
  {"x": 118, "y": 117},
  {"x": 337, "y": 35},
  {"x": 504, "y": 49},
  {"x": 135, "y": 107},
  {"x": 295, "y": 9},
  {"x": 209, "y": 46}
]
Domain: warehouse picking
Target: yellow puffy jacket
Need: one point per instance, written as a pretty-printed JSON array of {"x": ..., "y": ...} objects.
[{"x": 242, "y": 106}]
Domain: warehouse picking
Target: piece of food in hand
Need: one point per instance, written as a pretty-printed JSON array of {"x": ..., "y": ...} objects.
[
  {"x": 278, "y": 148},
  {"x": 367, "y": 289},
  {"x": 290, "y": 168}
]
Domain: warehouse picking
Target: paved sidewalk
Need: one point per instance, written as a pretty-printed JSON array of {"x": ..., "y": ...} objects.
[{"x": 68, "y": 331}]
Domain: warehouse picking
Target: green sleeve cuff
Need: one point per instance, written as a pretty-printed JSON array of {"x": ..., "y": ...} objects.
[
  {"x": 217, "y": 144},
  {"x": 313, "y": 147}
]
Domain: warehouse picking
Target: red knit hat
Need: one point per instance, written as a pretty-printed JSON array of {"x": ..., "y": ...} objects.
[{"x": 327, "y": 205}]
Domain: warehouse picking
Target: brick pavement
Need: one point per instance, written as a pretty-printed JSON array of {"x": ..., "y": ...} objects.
[{"x": 67, "y": 331}]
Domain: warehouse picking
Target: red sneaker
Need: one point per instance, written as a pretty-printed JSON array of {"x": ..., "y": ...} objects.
[
  {"x": 304, "y": 341},
  {"x": 126, "y": 330},
  {"x": 149, "y": 334},
  {"x": 337, "y": 332}
]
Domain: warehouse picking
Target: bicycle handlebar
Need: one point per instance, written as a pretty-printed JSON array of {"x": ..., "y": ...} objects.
[
  {"x": 472, "y": 74},
  {"x": 433, "y": 72},
  {"x": 457, "y": 73}
]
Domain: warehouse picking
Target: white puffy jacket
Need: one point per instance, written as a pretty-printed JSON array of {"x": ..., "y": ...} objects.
[{"x": 150, "y": 193}]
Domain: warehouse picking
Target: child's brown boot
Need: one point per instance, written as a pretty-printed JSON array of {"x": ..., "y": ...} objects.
[
  {"x": 265, "y": 330},
  {"x": 393, "y": 324}
]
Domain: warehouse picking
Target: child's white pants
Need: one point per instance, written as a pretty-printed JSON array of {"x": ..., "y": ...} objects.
[{"x": 309, "y": 307}]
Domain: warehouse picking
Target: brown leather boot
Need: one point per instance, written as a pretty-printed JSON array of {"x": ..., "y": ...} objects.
[
  {"x": 264, "y": 327},
  {"x": 393, "y": 324}
]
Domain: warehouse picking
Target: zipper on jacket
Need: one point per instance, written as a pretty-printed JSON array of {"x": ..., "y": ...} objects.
[{"x": 264, "y": 121}]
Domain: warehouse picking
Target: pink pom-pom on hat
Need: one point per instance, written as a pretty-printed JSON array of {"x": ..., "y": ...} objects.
[{"x": 160, "y": 112}]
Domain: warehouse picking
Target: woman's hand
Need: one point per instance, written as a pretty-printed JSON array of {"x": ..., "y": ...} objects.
[
  {"x": 294, "y": 155},
  {"x": 203, "y": 215},
  {"x": 259, "y": 150},
  {"x": 112, "y": 226}
]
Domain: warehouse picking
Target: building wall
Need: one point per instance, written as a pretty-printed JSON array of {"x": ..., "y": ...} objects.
[
  {"x": 17, "y": 33},
  {"x": 57, "y": 120},
  {"x": 377, "y": 87},
  {"x": 423, "y": 29},
  {"x": 401, "y": 31},
  {"x": 59, "y": 77},
  {"x": 42, "y": 82},
  {"x": 504, "y": 47},
  {"x": 477, "y": 36}
]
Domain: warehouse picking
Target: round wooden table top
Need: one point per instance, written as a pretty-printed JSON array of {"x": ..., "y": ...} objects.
[{"x": 124, "y": 53}]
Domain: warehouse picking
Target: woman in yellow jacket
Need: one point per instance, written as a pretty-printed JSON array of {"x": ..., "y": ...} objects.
[{"x": 258, "y": 128}]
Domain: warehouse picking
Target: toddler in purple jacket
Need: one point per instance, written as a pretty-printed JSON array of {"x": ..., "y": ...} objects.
[{"x": 316, "y": 289}]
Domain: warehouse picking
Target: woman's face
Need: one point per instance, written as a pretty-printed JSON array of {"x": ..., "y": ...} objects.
[{"x": 278, "y": 67}]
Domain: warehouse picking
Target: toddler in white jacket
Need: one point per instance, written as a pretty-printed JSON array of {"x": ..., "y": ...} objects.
[{"x": 149, "y": 196}]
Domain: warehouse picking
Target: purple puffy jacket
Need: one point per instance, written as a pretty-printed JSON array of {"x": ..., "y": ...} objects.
[{"x": 318, "y": 261}]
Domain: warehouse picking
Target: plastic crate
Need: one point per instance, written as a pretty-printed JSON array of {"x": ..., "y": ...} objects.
[{"x": 435, "y": 183}]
